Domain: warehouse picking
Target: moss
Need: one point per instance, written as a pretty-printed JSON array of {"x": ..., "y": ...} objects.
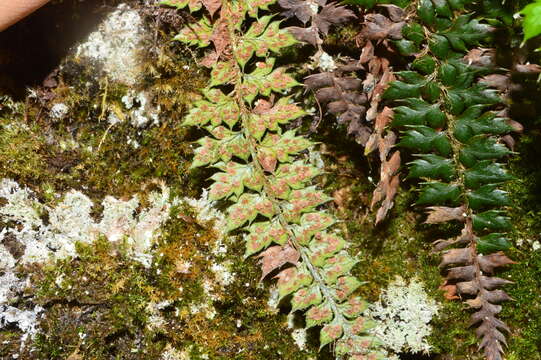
[
  {"x": 9, "y": 343},
  {"x": 82, "y": 152},
  {"x": 22, "y": 150},
  {"x": 100, "y": 308},
  {"x": 98, "y": 304},
  {"x": 342, "y": 38},
  {"x": 401, "y": 245},
  {"x": 110, "y": 306},
  {"x": 524, "y": 313}
]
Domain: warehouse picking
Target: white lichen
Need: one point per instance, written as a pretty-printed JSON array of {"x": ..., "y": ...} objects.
[
  {"x": 122, "y": 221},
  {"x": 316, "y": 159},
  {"x": 116, "y": 45},
  {"x": 206, "y": 212},
  {"x": 71, "y": 222},
  {"x": 207, "y": 309},
  {"x": 155, "y": 319},
  {"x": 325, "y": 62},
  {"x": 274, "y": 298},
  {"x": 116, "y": 48},
  {"x": 170, "y": 353},
  {"x": 534, "y": 244},
  {"x": 10, "y": 287},
  {"x": 223, "y": 273},
  {"x": 7, "y": 261},
  {"x": 59, "y": 111},
  {"x": 140, "y": 110},
  {"x": 20, "y": 206},
  {"x": 299, "y": 337},
  {"x": 25, "y": 320},
  {"x": 298, "y": 334},
  {"x": 113, "y": 118},
  {"x": 403, "y": 314}
]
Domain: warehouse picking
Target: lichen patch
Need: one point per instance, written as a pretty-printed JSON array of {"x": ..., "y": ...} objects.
[
  {"x": 403, "y": 314},
  {"x": 115, "y": 45}
]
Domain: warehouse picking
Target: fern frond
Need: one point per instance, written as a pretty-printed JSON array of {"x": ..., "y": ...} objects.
[
  {"x": 448, "y": 117},
  {"x": 269, "y": 182}
]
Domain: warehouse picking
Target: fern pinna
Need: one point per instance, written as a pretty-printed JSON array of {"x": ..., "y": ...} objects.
[
  {"x": 450, "y": 121},
  {"x": 265, "y": 176},
  {"x": 352, "y": 100}
]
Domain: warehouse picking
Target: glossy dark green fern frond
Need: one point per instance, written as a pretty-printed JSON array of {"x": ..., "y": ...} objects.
[{"x": 451, "y": 123}]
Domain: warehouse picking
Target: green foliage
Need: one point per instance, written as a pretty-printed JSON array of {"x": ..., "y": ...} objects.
[
  {"x": 199, "y": 34},
  {"x": 532, "y": 20},
  {"x": 266, "y": 178},
  {"x": 437, "y": 193},
  {"x": 432, "y": 166},
  {"x": 446, "y": 120},
  {"x": 423, "y": 138}
]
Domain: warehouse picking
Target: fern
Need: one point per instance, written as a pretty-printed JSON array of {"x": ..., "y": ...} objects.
[
  {"x": 319, "y": 14},
  {"x": 268, "y": 181},
  {"x": 449, "y": 121},
  {"x": 352, "y": 100}
]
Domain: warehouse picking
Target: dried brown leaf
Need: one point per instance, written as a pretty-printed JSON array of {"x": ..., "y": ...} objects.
[
  {"x": 491, "y": 282},
  {"x": 348, "y": 83},
  {"x": 461, "y": 273},
  {"x": 340, "y": 106},
  {"x": 396, "y": 13},
  {"x": 489, "y": 262},
  {"x": 212, "y": 5},
  {"x": 379, "y": 27},
  {"x": 476, "y": 303},
  {"x": 385, "y": 145},
  {"x": 517, "y": 127},
  {"x": 299, "y": 8},
  {"x": 328, "y": 94},
  {"x": 391, "y": 167},
  {"x": 441, "y": 214},
  {"x": 383, "y": 119},
  {"x": 480, "y": 57},
  {"x": 497, "y": 81},
  {"x": 277, "y": 256},
  {"x": 209, "y": 60},
  {"x": 378, "y": 194},
  {"x": 449, "y": 291},
  {"x": 332, "y": 14},
  {"x": 457, "y": 256},
  {"x": 509, "y": 141},
  {"x": 382, "y": 84},
  {"x": 465, "y": 237},
  {"x": 367, "y": 52},
  {"x": 496, "y": 296},
  {"x": 350, "y": 65},
  {"x": 319, "y": 80},
  {"x": 468, "y": 287},
  {"x": 220, "y": 36},
  {"x": 309, "y": 35},
  {"x": 388, "y": 203},
  {"x": 528, "y": 68}
]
